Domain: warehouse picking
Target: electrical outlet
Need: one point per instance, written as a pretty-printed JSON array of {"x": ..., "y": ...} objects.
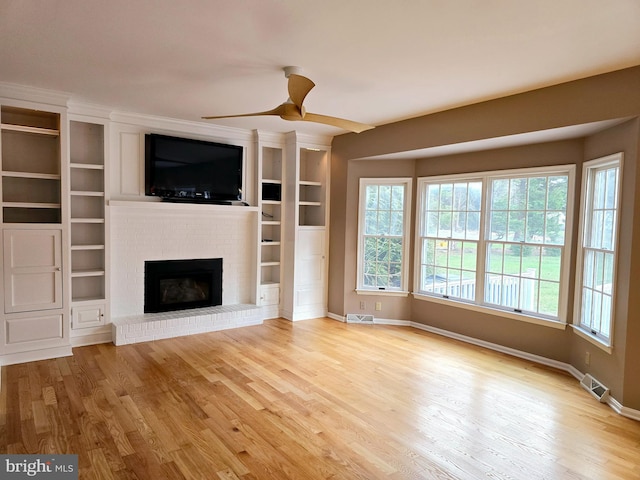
[
  {"x": 587, "y": 358},
  {"x": 378, "y": 306},
  {"x": 363, "y": 305}
]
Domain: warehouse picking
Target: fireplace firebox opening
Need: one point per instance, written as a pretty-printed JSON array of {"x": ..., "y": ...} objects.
[{"x": 182, "y": 284}]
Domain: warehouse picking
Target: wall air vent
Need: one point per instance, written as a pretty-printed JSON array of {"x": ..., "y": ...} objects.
[
  {"x": 356, "y": 318},
  {"x": 595, "y": 388}
]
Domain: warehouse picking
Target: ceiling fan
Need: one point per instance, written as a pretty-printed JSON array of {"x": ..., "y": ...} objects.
[{"x": 292, "y": 109}]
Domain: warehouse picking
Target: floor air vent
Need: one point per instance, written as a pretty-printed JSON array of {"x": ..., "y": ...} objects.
[
  {"x": 595, "y": 388},
  {"x": 355, "y": 318}
]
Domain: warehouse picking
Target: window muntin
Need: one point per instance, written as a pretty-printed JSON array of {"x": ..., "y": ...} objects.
[
  {"x": 515, "y": 259},
  {"x": 597, "y": 252},
  {"x": 382, "y": 252}
]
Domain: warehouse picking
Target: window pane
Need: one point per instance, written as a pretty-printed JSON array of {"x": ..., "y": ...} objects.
[
  {"x": 371, "y": 200},
  {"x": 473, "y": 226},
  {"x": 557, "y": 193},
  {"x": 554, "y": 228},
  {"x": 607, "y": 229},
  {"x": 371, "y": 222},
  {"x": 498, "y": 226},
  {"x": 396, "y": 223},
  {"x": 384, "y": 222},
  {"x": 499, "y": 194},
  {"x": 517, "y": 193},
  {"x": 515, "y": 229},
  {"x": 549, "y": 298},
  {"x": 459, "y": 225},
  {"x": 512, "y": 259},
  {"x": 550, "y": 264},
  {"x": 475, "y": 196},
  {"x": 455, "y": 254},
  {"x": 610, "y": 199},
  {"x": 446, "y": 193},
  {"x": 433, "y": 197},
  {"x": 595, "y": 235},
  {"x": 535, "y": 227},
  {"x": 537, "y": 193},
  {"x": 469, "y": 256},
  {"x": 397, "y": 197},
  {"x": 384, "y": 200},
  {"x": 444, "y": 228},
  {"x": 495, "y": 252}
]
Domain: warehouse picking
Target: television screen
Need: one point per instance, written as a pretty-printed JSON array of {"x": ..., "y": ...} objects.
[{"x": 183, "y": 169}]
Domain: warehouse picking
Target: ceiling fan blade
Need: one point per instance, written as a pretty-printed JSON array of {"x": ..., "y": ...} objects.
[
  {"x": 299, "y": 87},
  {"x": 337, "y": 122},
  {"x": 279, "y": 110}
]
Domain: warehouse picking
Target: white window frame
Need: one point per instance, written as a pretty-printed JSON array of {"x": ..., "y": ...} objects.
[
  {"x": 479, "y": 305},
  {"x": 586, "y": 207},
  {"x": 407, "y": 183}
]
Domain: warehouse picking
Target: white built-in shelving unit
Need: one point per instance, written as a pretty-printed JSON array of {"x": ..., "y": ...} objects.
[
  {"x": 271, "y": 221},
  {"x": 89, "y": 233}
]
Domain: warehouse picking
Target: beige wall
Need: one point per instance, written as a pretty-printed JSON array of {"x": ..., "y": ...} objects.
[
  {"x": 615, "y": 95},
  {"x": 620, "y": 370}
]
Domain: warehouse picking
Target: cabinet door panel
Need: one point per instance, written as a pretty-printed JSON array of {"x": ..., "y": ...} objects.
[
  {"x": 310, "y": 290},
  {"x": 88, "y": 316},
  {"x": 36, "y": 329},
  {"x": 32, "y": 270}
]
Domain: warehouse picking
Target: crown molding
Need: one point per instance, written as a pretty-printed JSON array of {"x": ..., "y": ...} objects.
[
  {"x": 182, "y": 126},
  {"x": 33, "y": 94}
]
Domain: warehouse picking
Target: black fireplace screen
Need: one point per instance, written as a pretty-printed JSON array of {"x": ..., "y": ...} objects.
[{"x": 182, "y": 284}]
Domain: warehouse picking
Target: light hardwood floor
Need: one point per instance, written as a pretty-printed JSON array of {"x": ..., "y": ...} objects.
[{"x": 317, "y": 399}]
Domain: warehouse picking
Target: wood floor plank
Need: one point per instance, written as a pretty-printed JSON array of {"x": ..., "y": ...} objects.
[{"x": 313, "y": 400}]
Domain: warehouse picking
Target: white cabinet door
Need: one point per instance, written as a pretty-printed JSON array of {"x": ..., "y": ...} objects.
[
  {"x": 310, "y": 283},
  {"x": 88, "y": 316},
  {"x": 32, "y": 270}
]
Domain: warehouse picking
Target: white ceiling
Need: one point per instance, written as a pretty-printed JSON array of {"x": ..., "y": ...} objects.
[{"x": 373, "y": 61}]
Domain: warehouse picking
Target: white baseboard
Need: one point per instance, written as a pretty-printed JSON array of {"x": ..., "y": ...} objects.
[
  {"x": 91, "y": 339},
  {"x": 36, "y": 355}
]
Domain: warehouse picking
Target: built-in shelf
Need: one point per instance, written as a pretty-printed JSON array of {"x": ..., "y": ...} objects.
[
  {"x": 87, "y": 273},
  {"x": 87, "y": 193},
  {"x": 270, "y": 186},
  {"x": 27, "y": 129},
  {"x": 269, "y": 264},
  {"x": 88, "y": 220},
  {"x": 87, "y": 247},
  {"x": 86, "y": 166},
  {"x": 34, "y": 175}
]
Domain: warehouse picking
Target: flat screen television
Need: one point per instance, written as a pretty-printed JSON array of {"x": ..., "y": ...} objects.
[{"x": 187, "y": 170}]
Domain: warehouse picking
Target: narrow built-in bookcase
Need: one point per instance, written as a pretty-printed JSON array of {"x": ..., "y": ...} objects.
[
  {"x": 88, "y": 225},
  {"x": 271, "y": 219}
]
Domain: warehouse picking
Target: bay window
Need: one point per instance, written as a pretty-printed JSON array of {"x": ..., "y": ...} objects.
[{"x": 497, "y": 240}]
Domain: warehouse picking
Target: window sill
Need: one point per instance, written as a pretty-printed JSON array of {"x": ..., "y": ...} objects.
[
  {"x": 589, "y": 337},
  {"x": 493, "y": 311},
  {"x": 388, "y": 293}
]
